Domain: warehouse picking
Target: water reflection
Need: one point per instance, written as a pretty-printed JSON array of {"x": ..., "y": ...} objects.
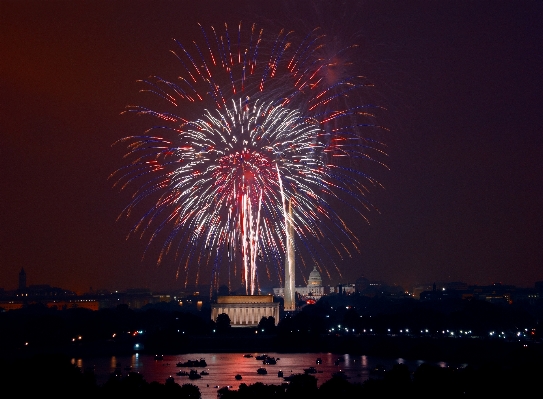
[{"x": 222, "y": 368}]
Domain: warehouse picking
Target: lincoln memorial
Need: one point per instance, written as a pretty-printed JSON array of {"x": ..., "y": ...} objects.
[{"x": 245, "y": 310}]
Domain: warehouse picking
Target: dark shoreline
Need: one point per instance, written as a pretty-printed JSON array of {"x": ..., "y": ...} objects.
[{"x": 458, "y": 351}]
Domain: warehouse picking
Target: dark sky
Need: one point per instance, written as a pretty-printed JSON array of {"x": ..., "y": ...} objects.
[{"x": 461, "y": 80}]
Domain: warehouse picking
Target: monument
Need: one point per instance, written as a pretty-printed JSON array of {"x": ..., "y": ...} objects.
[
  {"x": 290, "y": 293},
  {"x": 245, "y": 310}
]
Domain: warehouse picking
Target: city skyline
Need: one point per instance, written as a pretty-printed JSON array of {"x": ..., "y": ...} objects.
[
  {"x": 461, "y": 82},
  {"x": 303, "y": 289}
]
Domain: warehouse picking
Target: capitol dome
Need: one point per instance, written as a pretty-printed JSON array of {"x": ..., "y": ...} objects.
[{"x": 314, "y": 278}]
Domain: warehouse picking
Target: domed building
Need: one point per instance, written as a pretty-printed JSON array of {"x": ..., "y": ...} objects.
[
  {"x": 314, "y": 289},
  {"x": 315, "y": 279}
]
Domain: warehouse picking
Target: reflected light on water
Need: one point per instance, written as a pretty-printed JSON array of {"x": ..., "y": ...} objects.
[{"x": 223, "y": 367}]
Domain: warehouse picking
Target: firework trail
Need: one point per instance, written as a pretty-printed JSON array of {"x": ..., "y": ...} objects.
[{"x": 251, "y": 120}]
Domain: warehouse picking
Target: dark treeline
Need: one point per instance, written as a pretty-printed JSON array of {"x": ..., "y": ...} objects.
[
  {"x": 426, "y": 381},
  {"x": 55, "y": 375},
  {"x": 337, "y": 323}
]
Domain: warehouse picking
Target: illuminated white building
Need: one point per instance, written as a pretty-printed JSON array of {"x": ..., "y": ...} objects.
[
  {"x": 313, "y": 290},
  {"x": 245, "y": 310}
]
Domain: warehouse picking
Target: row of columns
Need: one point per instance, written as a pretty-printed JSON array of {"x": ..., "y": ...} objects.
[{"x": 246, "y": 315}]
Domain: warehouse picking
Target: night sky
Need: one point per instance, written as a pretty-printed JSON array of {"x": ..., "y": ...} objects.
[{"x": 462, "y": 82}]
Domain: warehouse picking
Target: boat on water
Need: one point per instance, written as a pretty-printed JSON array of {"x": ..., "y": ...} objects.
[
  {"x": 182, "y": 373},
  {"x": 261, "y": 357},
  {"x": 318, "y": 361},
  {"x": 169, "y": 380},
  {"x": 159, "y": 357},
  {"x": 248, "y": 355},
  {"x": 262, "y": 370},
  {"x": 192, "y": 363},
  {"x": 204, "y": 372},
  {"x": 280, "y": 374},
  {"x": 269, "y": 360},
  {"x": 310, "y": 370},
  {"x": 194, "y": 375},
  {"x": 238, "y": 377},
  {"x": 289, "y": 378}
]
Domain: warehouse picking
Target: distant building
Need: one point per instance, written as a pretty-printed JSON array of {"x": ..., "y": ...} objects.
[
  {"x": 22, "y": 280},
  {"x": 314, "y": 289},
  {"x": 362, "y": 284},
  {"x": 44, "y": 291},
  {"x": 79, "y": 303},
  {"x": 137, "y": 298},
  {"x": 315, "y": 279},
  {"x": 346, "y": 289},
  {"x": 245, "y": 310}
]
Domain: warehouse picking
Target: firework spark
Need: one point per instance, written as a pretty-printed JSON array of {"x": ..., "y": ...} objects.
[{"x": 251, "y": 120}]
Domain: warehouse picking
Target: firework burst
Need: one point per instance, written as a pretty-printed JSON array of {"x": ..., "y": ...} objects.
[{"x": 251, "y": 120}]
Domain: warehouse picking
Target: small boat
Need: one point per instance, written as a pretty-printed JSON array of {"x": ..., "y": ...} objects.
[
  {"x": 269, "y": 360},
  {"x": 310, "y": 370},
  {"x": 262, "y": 370},
  {"x": 261, "y": 357},
  {"x": 159, "y": 357},
  {"x": 238, "y": 377},
  {"x": 280, "y": 374},
  {"x": 182, "y": 373},
  {"x": 318, "y": 361},
  {"x": 169, "y": 380},
  {"x": 289, "y": 378},
  {"x": 193, "y": 375},
  {"x": 192, "y": 363},
  {"x": 248, "y": 355},
  {"x": 203, "y": 372}
]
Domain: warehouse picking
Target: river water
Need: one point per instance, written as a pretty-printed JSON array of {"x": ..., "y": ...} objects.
[{"x": 222, "y": 368}]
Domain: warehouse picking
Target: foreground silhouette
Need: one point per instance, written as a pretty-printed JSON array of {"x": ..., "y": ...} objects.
[{"x": 56, "y": 375}]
